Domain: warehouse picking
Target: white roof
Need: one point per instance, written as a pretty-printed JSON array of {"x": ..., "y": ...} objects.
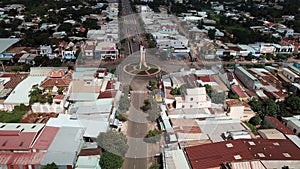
[
  {"x": 295, "y": 139},
  {"x": 215, "y": 128},
  {"x": 196, "y": 91},
  {"x": 25, "y": 127},
  {"x": 6, "y": 43},
  {"x": 20, "y": 94},
  {"x": 65, "y": 146},
  {"x": 175, "y": 159},
  {"x": 88, "y": 162}
]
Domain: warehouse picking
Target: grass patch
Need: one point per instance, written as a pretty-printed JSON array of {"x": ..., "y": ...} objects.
[
  {"x": 142, "y": 73},
  {"x": 129, "y": 68},
  {"x": 153, "y": 70},
  {"x": 250, "y": 126},
  {"x": 11, "y": 117}
]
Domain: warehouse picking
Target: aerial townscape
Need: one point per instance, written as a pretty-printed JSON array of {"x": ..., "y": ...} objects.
[{"x": 150, "y": 84}]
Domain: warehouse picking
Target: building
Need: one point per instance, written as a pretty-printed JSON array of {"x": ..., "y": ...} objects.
[
  {"x": 235, "y": 109},
  {"x": 215, "y": 128},
  {"x": 175, "y": 159},
  {"x": 274, "y": 153},
  {"x": 273, "y": 122},
  {"x": 36, "y": 145},
  {"x": 293, "y": 123},
  {"x": 251, "y": 82},
  {"x": 193, "y": 98},
  {"x": 271, "y": 134},
  {"x": 106, "y": 50},
  {"x": 237, "y": 90},
  {"x": 293, "y": 77}
]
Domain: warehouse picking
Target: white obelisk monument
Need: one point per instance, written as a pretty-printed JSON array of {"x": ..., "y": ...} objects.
[{"x": 143, "y": 57}]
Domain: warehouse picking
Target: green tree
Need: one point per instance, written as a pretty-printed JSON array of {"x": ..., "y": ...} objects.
[
  {"x": 155, "y": 166},
  {"x": 60, "y": 90},
  {"x": 208, "y": 88},
  {"x": 111, "y": 161},
  {"x": 152, "y": 84},
  {"x": 91, "y": 24},
  {"x": 56, "y": 62},
  {"x": 153, "y": 136},
  {"x": 113, "y": 142},
  {"x": 26, "y": 67},
  {"x": 124, "y": 103},
  {"x": 211, "y": 34},
  {"x": 50, "y": 166},
  {"x": 292, "y": 103},
  {"x": 175, "y": 91},
  {"x": 218, "y": 97},
  {"x": 256, "y": 120},
  {"x": 146, "y": 106}
]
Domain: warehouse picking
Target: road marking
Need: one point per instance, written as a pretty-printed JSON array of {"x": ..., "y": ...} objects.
[{"x": 139, "y": 91}]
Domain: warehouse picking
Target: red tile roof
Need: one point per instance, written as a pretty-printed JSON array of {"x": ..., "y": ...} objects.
[
  {"x": 45, "y": 139},
  {"x": 274, "y": 122},
  {"x": 291, "y": 42},
  {"x": 107, "y": 94},
  {"x": 15, "y": 80},
  {"x": 232, "y": 103},
  {"x": 110, "y": 84},
  {"x": 205, "y": 78},
  {"x": 59, "y": 82},
  {"x": 59, "y": 97},
  {"x": 17, "y": 142},
  {"x": 24, "y": 158},
  {"x": 212, "y": 155},
  {"x": 237, "y": 89},
  {"x": 57, "y": 73}
]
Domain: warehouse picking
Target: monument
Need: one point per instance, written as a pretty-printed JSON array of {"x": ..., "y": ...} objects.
[
  {"x": 142, "y": 69},
  {"x": 143, "y": 57}
]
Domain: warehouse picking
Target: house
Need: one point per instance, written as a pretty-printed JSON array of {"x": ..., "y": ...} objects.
[
  {"x": 236, "y": 89},
  {"x": 287, "y": 42},
  {"x": 274, "y": 153},
  {"x": 251, "y": 82},
  {"x": 193, "y": 98},
  {"x": 293, "y": 123},
  {"x": 293, "y": 77},
  {"x": 68, "y": 55},
  {"x": 36, "y": 145},
  {"x": 270, "y": 134},
  {"x": 45, "y": 50},
  {"x": 106, "y": 50},
  {"x": 215, "y": 128},
  {"x": 273, "y": 122},
  {"x": 235, "y": 109},
  {"x": 175, "y": 159},
  {"x": 56, "y": 79}
]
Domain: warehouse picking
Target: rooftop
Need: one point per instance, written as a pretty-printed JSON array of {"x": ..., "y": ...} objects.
[
  {"x": 278, "y": 125},
  {"x": 45, "y": 139},
  {"x": 21, "y": 93},
  {"x": 59, "y": 151},
  {"x": 175, "y": 159},
  {"x": 246, "y": 73},
  {"x": 202, "y": 156},
  {"x": 17, "y": 136},
  {"x": 215, "y": 128},
  {"x": 271, "y": 134},
  {"x": 5, "y": 43}
]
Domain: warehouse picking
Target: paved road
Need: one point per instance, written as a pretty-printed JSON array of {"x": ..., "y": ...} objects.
[{"x": 136, "y": 157}]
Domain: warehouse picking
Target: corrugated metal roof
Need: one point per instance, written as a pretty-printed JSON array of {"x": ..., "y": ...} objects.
[
  {"x": 5, "y": 43},
  {"x": 212, "y": 155},
  {"x": 21, "y": 158},
  {"x": 46, "y": 137}
]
